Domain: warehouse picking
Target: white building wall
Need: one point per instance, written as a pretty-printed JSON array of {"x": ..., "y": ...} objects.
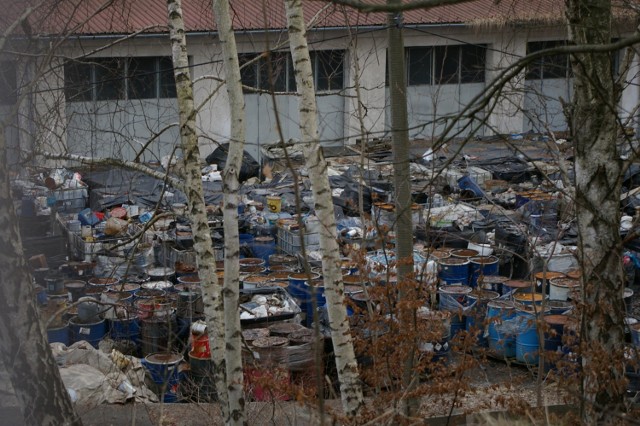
[
  {"x": 369, "y": 51},
  {"x": 631, "y": 96},
  {"x": 507, "y": 117}
]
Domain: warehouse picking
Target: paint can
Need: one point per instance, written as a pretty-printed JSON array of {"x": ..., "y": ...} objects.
[
  {"x": 249, "y": 265},
  {"x": 481, "y": 266},
  {"x": 543, "y": 279},
  {"x": 274, "y": 203},
  {"x": 528, "y": 299},
  {"x": 434, "y": 328},
  {"x": 492, "y": 283},
  {"x": 59, "y": 334},
  {"x": 75, "y": 289},
  {"x": 500, "y": 316},
  {"x": 189, "y": 304},
  {"x": 126, "y": 329},
  {"x": 200, "y": 346},
  {"x": 103, "y": 283},
  {"x": 164, "y": 371},
  {"x": 475, "y": 318},
  {"x": 92, "y": 332},
  {"x": 313, "y": 289},
  {"x": 161, "y": 273},
  {"x": 553, "y": 346},
  {"x": 527, "y": 343},
  {"x": 453, "y": 298},
  {"x": 559, "y": 288},
  {"x": 54, "y": 284},
  {"x": 201, "y": 373},
  {"x": 157, "y": 334},
  {"x": 251, "y": 282},
  {"x": 454, "y": 270}
]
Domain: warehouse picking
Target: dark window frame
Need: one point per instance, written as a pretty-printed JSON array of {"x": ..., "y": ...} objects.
[
  {"x": 8, "y": 83},
  {"x": 548, "y": 67},
  {"x": 119, "y": 78},
  {"x": 327, "y": 67},
  {"x": 446, "y": 64}
]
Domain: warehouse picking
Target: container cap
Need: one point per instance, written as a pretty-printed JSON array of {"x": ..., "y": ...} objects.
[{"x": 164, "y": 358}]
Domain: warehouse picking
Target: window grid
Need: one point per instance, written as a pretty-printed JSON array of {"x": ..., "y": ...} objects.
[
  {"x": 119, "y": 79},
  {"x": 327, "y": 68},
  {"x": 547, "y": 67},
  {"x": 445, "y": 64}
]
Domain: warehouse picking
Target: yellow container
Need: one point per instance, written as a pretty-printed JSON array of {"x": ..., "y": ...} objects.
[{"x": 274, "y": 203}]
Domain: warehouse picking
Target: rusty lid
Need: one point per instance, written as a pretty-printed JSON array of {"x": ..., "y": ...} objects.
[
  {"x": 548, "y": 275},
  {"x": 284, "y": 328},
  {"x": 556, "y": 319},
  {"x": 164, "y": 358},
  {"x": 251, "y": 261},
  {"x": 517, "y": 283},
  {"x": 270, "y": 342},
  {"x": 252, "y": 334},
  {"x": 464, "y": 253},
  {"x": 353, "y": 279},
  {"x": 302, "y": 336},
  {"x": 492, "y": 279}
]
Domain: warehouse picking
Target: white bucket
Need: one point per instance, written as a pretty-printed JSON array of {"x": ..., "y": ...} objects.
[{"x": 559, "y": 288}]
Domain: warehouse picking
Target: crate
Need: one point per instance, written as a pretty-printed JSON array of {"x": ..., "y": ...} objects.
[
  {"x": 289, "y": 241},
  {"x": 71, "y": 200},
  {"x": 479, "y": 175}
]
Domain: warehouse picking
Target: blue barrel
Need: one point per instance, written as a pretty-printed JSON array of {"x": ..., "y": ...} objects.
[
  {"x": 263, "y": 247},
  {"x": 59, "y": 334},
  {"x": 125, "y": 329},
  {"x": 297, "y": 288},
  {"x": 454, "y": 270},
  {"x": 493, "y": 283},
  {"x": 315, "y": 286},
  {"x": 164, "y": 371},
  {"x": 436, "y": 325},
  {"x": 527, "y": 344},
  {"x": 475, "y": 320},
  {"x": 453, "y": 298},
  {"x": 91, "y": 332},
  {"x": 553, "y": 346},
  {"x": 502, "y": 339},
  {"x": 481, "y": 266},
  {"x": 245, "y": 240},
  {"x": 559, "y": 307}
]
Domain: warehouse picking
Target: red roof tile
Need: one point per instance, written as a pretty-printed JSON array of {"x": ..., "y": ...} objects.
[{"x": 126, "y": 16}]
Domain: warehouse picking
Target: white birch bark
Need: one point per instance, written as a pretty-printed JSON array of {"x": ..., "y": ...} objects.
[
  {"x": 211, "y": 294},
  {"x": 599, "y": 172},
  {"x": 350, "y": 389},
  {"x": 231, "y": 185}
]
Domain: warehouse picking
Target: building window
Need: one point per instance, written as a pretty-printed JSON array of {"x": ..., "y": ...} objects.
[
  {"x": 8, "y": 83},
  {"x": 109, "y": 73},
  {"x": 328, "y": 69},
  {"x": 276, "y": 71},
  {"x": 446, "y": 64},
  {"x": 419, "y": 65},
  {"x": 119, "y": 78},
  {"x": 551, "y": 66},
  {"x": 77, "y": 81}
]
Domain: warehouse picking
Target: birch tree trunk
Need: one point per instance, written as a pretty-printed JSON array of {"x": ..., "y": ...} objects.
[
  {"x": 599, "y": 172},
  {"x": 24, "y": 348},
  {"x": 211, "y": 294},
  {"x": 350, "y": 389},
  {"x": 231, "y": 185},
  {"x": 25, "y": 351}
]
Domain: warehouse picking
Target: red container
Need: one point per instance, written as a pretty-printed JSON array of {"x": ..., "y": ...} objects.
[{"x": 200, "y": 346}]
